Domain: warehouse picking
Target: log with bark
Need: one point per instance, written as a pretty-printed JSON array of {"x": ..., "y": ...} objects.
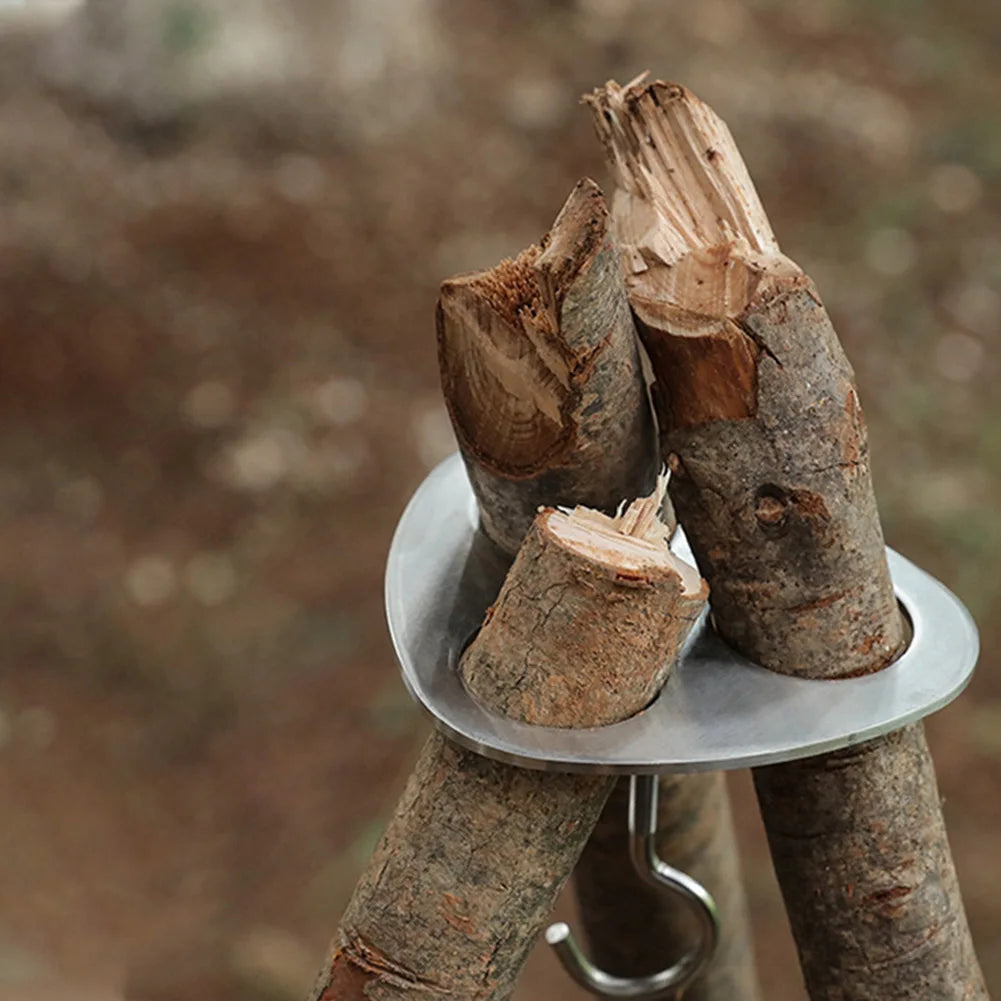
[
  {"x": 471, "y": 863},
  {"x": 543, "y": 381},
  {"x": 762, "y": 430},
  {"x": 541, "y": 376}
]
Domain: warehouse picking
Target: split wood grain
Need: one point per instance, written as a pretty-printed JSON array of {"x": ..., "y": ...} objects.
[
  {"x": 541, "y": 376},
  {"x": 762, "y": 429},
  {"x": 469, "y": 868}
]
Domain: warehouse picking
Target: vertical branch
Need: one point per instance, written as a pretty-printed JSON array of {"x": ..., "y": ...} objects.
[
  {"x": 763, "y": 432},
  {"x": 696, "y": 836},
  {"x": 543, "y": 381},
  {"x": 471, "y": 863}
]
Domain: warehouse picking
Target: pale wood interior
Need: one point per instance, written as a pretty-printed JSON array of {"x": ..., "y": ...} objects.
[{"x": 633, "y": 540}]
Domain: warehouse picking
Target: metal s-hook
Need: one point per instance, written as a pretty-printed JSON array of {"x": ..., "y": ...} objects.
[{"x": 653, "y": 870}]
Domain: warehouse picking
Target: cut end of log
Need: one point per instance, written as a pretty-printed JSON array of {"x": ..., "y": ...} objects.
[
  {"x": 589, "y": 621},
  {"x": 507, "y": 373},
  {"x": 511, "y": 289},
  {"x": 635, "y": 541},
  {"x": 672, "y": 152},
  {"x": 697, "y": 246},
  {"x": 692, "y": 229}
]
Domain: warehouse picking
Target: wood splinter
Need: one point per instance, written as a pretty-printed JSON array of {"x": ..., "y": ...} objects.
[{"x": 469, "y": 868}]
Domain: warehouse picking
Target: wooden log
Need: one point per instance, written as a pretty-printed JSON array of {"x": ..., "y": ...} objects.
[
  {"x": 541, "y": 376},
  {"x": 531, "y": 434},
  {"x": 763, "y": 432},
  {"x": 579, "y": 673},
  {"x": 860, "y": 847},
  {"x": 471, "y": 863}
]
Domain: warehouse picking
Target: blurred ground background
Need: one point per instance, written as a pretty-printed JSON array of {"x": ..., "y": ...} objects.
[{"x": 222, "y": 227}]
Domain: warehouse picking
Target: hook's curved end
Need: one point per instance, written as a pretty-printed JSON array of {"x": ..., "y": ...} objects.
[
  {"x": 585, "y": 974},
  {"x": 667, "y": 982}
]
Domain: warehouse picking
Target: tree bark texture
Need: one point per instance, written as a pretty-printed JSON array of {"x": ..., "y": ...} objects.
[
  {"x": 762, "y": 430},
  {"x": 461, "y": 882},
  {"x": 543, "y": 381},
  {"x": 861, "y": 851},
  {"x": 696, "y": 835},
  {"x": 471, "y": 863},
  {"x": 779, "y": 505},
  {"x": 544, "y": 654}
]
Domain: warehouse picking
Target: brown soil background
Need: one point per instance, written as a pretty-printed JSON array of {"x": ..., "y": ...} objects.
[{"x": 218, "y": 389}]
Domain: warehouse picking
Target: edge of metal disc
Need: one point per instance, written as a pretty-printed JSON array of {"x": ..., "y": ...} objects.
[{"x": 717, "y": 711}]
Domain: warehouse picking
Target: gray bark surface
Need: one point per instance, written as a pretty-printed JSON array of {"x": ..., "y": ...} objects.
[
  {"x": 779, "y": 506},
  {"x": 553, "y": 646},
  {"x": 860, "y": 848},
  {"x": 461, "y": 882}
]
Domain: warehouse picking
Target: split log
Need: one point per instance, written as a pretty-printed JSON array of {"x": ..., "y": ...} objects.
[
  {"x": 543, "y": 381},
  {"x": 763, "y": 432},
  {"x": 471, "y": 863}
]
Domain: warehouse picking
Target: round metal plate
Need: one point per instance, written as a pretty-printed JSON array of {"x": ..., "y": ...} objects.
[{"x": 717, "y": 711}]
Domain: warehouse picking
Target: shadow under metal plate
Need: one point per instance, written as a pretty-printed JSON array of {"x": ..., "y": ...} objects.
[{"x": 717, "y": 711}]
